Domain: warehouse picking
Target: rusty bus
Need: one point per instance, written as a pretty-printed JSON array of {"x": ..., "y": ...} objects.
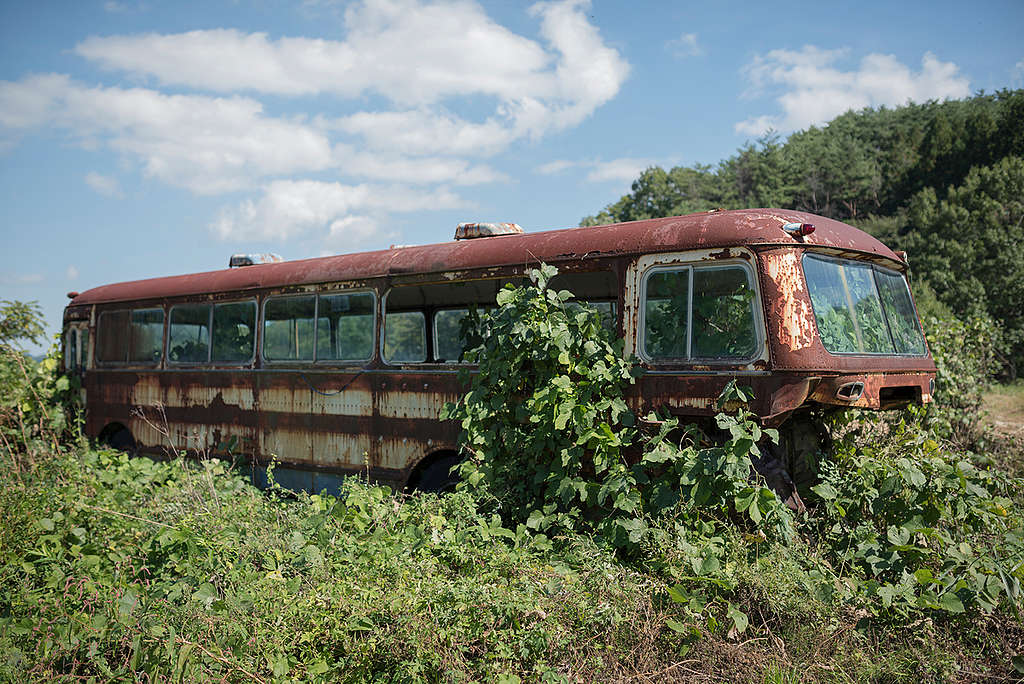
[{"x": 342, "y": 364}]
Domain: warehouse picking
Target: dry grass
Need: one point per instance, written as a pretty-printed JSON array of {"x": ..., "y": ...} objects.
[{"x": 1005, "y": 407}]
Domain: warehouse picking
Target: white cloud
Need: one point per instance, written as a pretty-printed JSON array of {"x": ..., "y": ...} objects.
[
  {"x": 685, "y": 45},
  {"x": 206, "y": 144},
  {"x": 455, "y": 48},
  {"x": 414, "y": 170},
  {"x": 295, "y": 209},
  {"x": 353, "y": 230},
  {"x": 71, "y": 273},
  {"x": 557, "y": 166},
  {"x": 624, "y": 169},
  {"x": 812, "y": 89},
  {"x": 424, "y": 66},
  {"x": 426, "y": 132},
  {"x": 414, "y": 54},
  {"x": 618, "y": 170},
  {"x": 1017, "y": 74},
  {"x": 104, "y": 185},
  {"x": 29, "y": 103}
]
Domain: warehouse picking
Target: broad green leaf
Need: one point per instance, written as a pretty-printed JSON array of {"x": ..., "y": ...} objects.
[
  {"x": 951, "y": 602},
  {"x": 739, "y": 618}
]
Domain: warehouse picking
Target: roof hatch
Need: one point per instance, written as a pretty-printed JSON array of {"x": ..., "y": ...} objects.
[
  {"x": 468, "y": 231},
  {"x": 238, "y": 260}
]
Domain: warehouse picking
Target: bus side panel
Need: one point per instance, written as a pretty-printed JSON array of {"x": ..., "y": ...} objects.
[
  {"x": 342, "y": 418},
  {"x": 168, "y": 411},
  {"x": 285, "y": 422},
  {"x": 407, "y": 419}
]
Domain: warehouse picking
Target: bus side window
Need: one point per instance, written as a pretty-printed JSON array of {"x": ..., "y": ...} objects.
[
  {"x": 666, "y": 314},
  {"x": 723, "y": 317},
  {"x": 112, "y": 336},
  {"x": 288, "y": 328},
  {"x": 189, "y": 334},
  {"x": 234, "y": 332},
  {"x": 699, "y": 312},
  {"x": 83, "y": 347},
  {"x": 405, "y": 337},
  {"x": 71, "y": 350},
  {"x": 448, "y": 341},
  {"x": 344, "y": 327},
  {"x": 147, "y": 335}
]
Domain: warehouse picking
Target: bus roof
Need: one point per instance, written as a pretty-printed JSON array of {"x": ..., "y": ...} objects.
[{"x": 715, "y": 229}]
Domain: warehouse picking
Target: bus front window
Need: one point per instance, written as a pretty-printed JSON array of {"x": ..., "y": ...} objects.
[{"x": 861, "y": 308}]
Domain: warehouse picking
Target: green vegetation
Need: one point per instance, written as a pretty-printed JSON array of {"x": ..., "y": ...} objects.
[
  {"x": 943, "y": 181},
  {"x": 587, "y": 544}
]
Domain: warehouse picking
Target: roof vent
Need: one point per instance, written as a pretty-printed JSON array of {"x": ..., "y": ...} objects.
[
  {"x": 238, "y": 260},
  {"x": 468, "y": 231}
]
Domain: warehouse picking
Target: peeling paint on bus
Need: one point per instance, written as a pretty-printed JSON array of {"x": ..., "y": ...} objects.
[{"x": 791, "y": 308}]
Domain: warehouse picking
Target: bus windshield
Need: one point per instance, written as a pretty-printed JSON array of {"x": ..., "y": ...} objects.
[{"x": 861, "y": 308}]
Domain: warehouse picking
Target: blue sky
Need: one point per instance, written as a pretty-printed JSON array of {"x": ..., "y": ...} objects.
[{"x": 141, "y": 139}]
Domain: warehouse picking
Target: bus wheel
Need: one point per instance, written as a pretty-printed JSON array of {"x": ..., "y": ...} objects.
[
  {"x": 791, "y": 466},
  {"x": 435, "y": 476},
  {"x": 118, "y": 437}
]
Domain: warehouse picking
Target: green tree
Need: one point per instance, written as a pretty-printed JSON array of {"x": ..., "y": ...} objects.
[
  {"x": 970, "y": 247},
  {"x": 20, "y": 321}
]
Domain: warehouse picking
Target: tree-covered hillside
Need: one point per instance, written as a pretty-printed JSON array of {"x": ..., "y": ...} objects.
[{"x": 944, "y": 181}]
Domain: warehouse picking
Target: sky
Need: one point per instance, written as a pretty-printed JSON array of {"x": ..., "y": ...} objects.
[{"x": 141, "y": 138}]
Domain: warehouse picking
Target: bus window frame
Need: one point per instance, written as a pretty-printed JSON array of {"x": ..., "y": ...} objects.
[
  {"x": 128, "y": 363},
  {"x": 427, "y": 340},
  {"x": 888, "y": 326},
  {"x": 255, "y": 333},
  {"x": 316, "y": 362},
  {"x": 261, "y": 322},
  {"x": 688, "y": 261},
  {"x": 209, "y": 347},
  {"x": 433, "y": 333},
  {"x": 340, "y": 363}
]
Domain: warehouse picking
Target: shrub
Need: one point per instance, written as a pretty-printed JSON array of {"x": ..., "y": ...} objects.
[
  {"x": 553, "y": 445},
  {"x": 908, "y": 526},
  {"x": 37, "y": 400}
]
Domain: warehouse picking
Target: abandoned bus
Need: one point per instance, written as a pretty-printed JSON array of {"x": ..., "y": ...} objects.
[{"x": 342, "y": 364}]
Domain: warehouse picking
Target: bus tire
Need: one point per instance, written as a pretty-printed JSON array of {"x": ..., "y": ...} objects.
[
  {"x": 435, "y": 475},
  {"x": 119, "y": 438}
]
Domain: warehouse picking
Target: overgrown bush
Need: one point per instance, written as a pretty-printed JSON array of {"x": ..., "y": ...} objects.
[
  {"x": 553, "y": 444},
  {"x": 123, "y": 568},
  {"x": 918, "y": 525},
  {"x": 36, "y": 401},
  {"x": 904, "y": 526},
  {"x": 967, "y": 357}
]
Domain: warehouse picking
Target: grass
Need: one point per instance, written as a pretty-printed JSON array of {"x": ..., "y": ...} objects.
[
  {"x": 1005, "y": 407},
  {"x": 126, "y": 569}
]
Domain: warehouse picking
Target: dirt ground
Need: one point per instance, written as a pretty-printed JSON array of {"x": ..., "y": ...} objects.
[{"x": 1005, "y": 406}]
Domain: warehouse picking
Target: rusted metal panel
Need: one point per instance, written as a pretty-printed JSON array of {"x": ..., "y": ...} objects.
[
  {"x": 881, "y": 390},
  {"x": 788, "y": 308},
  {"x": 793, "y": 333}
]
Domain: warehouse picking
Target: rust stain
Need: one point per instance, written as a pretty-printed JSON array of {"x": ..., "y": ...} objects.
[{"x": 794, "y": 317}]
